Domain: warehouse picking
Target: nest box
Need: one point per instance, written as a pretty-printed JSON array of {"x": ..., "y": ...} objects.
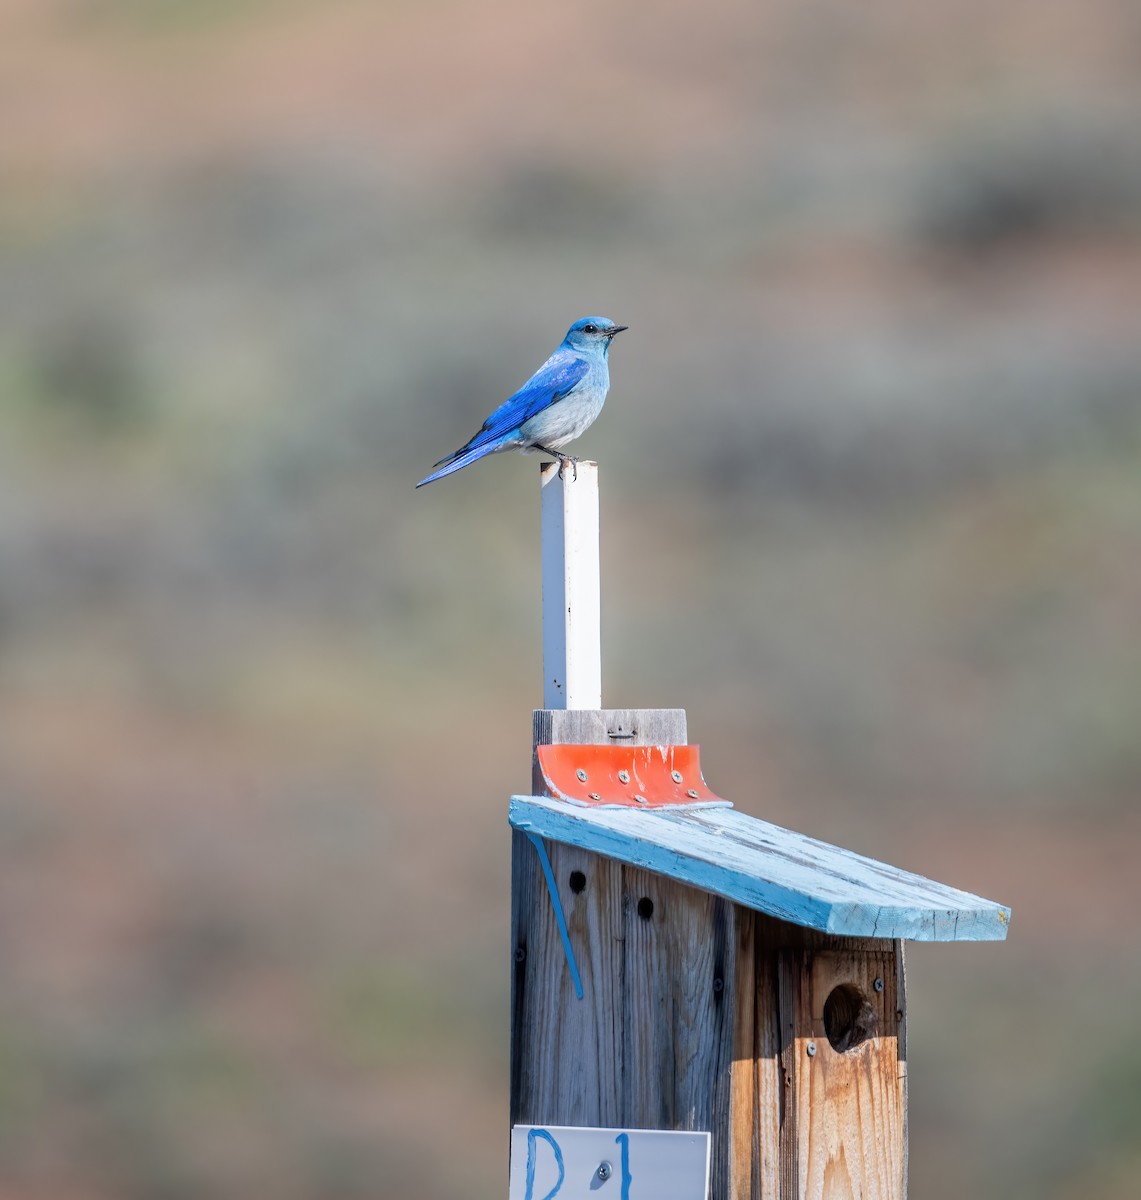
[{"x": 680, "y": 965}]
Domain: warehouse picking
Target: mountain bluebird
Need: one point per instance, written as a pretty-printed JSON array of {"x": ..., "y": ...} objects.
[{"x": 557, "y": 404}]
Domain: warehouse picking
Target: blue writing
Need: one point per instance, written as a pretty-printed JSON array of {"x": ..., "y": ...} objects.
[
  {"x": 623, "y": 1140},
  {"x": 533, "y": 1136}
]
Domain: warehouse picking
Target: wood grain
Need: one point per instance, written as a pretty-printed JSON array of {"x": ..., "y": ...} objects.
[
  {"x": 658, "y": 1035},
  {"x": 845, "y": 1134},
  {"x": 567, "y": 1059},
  {"x": 744, "y": 1100}
]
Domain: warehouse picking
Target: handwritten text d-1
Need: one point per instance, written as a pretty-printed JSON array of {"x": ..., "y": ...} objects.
[{"x": 560, "y": 1162}]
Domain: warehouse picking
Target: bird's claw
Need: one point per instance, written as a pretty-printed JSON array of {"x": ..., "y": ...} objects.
[{"x": 563, "y": 460}]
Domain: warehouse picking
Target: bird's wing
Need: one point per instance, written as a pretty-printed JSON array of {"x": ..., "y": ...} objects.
[{"x": 556, "y": 378}]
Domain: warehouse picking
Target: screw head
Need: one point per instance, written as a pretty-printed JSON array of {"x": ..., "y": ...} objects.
[
  {"x": 810, "y": 1049},
  {"x": 640, "y": 800},
  {"x": 675, "y": 776},
  {"x": 623, "y": 776},
  {"x": 605, "y": 1170},
  {"x": 878, "y": 985},
  {"x": 581, "y": 775},
  {"x": 692, "y": 793},
  {"x": 595, "y": 796}
]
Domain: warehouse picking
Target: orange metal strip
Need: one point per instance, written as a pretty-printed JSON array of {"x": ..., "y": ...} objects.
[{"x": 629, "y": 776}]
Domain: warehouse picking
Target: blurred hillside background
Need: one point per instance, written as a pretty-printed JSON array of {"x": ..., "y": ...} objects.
[{"x": 871, "y": 486}]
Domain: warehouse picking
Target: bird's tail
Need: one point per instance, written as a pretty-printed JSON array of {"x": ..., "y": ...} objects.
[{"x": 465, "y": 456}]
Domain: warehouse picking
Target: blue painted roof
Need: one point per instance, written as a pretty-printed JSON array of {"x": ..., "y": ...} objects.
[{"x": 770, "y": 869}]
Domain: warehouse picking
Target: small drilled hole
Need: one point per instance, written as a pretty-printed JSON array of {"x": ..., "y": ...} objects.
[
  {"x": 849, "y": 1018},
  {"x": 577, "y": 881},
  {"x": 645, "y": 908}
]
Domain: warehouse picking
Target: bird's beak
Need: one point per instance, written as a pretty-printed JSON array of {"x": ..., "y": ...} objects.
[{"x": 616, "y": 329}]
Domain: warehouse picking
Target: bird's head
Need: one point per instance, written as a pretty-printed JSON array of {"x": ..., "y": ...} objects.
[{"x": 593, "y": 334}]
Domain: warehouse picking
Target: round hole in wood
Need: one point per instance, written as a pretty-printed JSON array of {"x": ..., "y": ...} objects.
[
  {"x": 849, "y": 1017},
  {"x": 645, "y": 908},
  {"x": 577, "y": 881}
]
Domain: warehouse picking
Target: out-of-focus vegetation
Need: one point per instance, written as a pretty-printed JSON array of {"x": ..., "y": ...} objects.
[{"x": 871, "y": 513}]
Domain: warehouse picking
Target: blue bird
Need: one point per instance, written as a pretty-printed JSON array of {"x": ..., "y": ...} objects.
[{"x": 557, "y": 404}]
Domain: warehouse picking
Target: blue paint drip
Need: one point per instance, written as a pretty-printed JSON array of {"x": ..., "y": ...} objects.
[
  {"x": 623, "y": 1140},
  {"x": 549, "y": 875},
  {"x": 533, "y": 1136}
]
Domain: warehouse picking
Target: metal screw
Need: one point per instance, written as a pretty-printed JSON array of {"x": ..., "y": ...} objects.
[
  {"x": 878, "y": 985},
  {"x": 718, "y": 985},
  {"x": 623, "y": 776},
  {"x": 640, "y": 800},
  {"x": 520, "y": 954},
  {"x": 675, "y": 776},
  {"x": 605, "y": 1170},
  {"x": 810, "y": 1049},
  {"x": 581, "y": 775},
  {"x": 595, "y": 796},
  {"x": 692, "y": 793}
]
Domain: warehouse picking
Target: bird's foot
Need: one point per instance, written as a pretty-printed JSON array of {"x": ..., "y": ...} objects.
[{"x": 563, "y": 460}]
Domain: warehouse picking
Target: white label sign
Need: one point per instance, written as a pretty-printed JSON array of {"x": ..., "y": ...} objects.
[{"x": 560, "y": 1162}]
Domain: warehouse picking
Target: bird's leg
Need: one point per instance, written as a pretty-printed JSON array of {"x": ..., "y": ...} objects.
[{"x": 563, "y": 460}]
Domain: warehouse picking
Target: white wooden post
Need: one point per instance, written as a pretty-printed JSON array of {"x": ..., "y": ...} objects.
[{"x": 572, "y": 622}]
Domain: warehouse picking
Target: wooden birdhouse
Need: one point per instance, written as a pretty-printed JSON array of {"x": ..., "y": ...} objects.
[{"x": 680, "y": 966}]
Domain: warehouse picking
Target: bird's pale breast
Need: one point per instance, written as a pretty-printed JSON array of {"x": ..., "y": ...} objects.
[{"x": 567, "y": 418}]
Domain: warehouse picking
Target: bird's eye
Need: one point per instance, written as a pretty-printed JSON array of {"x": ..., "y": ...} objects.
[{"x": 590, "y": 329}]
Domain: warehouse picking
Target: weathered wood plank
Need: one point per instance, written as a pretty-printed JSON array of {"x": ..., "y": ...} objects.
[
  {"x": 901, "y": 1049},
  {"x": 681, "y": 968},
  {"x": 772, "y": 870},
  {"x": 744, "y": 1113},
  {"x": 567, "y": 1055},
  {"x": 788, "y": 1147},
  {"x": 844, "y": 1131},
  {"x": 769, "y": 1074},
  {"x": 654, "y": 1042}
]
